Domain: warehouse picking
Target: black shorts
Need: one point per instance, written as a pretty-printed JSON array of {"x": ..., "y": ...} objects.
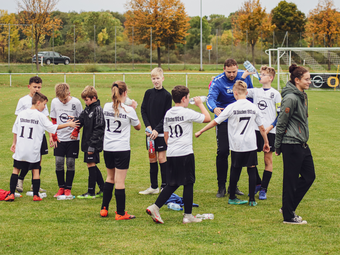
[
  {"x": 117, "y": 159},
  {"x": 181, "y": 170},
  {"x": 26, "y": 165},
  {"x": 44, "y": 146},
  {"x": 68, "y": 149},
  {"x": 260, "y": 141},
  {"x": 160, "y": 144},
  {"x": 241, "y": 159},
  {"x": 93, "y": 158}
]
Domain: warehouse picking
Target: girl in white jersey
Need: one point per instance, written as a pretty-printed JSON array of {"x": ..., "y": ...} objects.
[
  {"x": 118, "y": 119},
  {"x": 178, "y": 122},
  {"x": 243, "y": 117}
]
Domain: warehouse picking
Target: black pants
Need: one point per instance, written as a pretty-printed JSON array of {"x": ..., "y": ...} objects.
[
  {"x": 298, "y": 176},
  {"x": 222, "y": 153}
]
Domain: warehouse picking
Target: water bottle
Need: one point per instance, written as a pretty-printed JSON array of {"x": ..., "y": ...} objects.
[
  {"x": 17, "y": 194},
  {"x": 205, "y": 216},
  {"x": 251, "y": 69},
  {"x": 203, "y": 98},
  {"x": 174, "y": 206},
  {"x": 64, "y": 197},
  {"x": 128, "y": 101},
  {"x": 151, "y": 145},
  {"x": 30, "y": 193}
]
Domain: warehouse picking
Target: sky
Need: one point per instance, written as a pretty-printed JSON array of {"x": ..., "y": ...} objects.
[{"x": 192, "y": 7}]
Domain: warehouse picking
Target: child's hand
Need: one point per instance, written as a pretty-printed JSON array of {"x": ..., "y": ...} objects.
[
  {"x": 74, "y": 137},
  {"x": 73, "y": 123},
  {"x": 218, "y": 110},
  {"x": 154, "y": 134},
  {"x": 266, "y": 147},
  {"x": 134, "y": 104},
  {"x": 246, "y": 74},
  {"x": 13, "y": 148},
  {"x": 197, "y": 134},
  {"x": 198, "y": 101}
]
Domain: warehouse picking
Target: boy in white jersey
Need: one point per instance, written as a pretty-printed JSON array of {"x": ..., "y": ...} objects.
[
  {"x": 268, "y": 101},
  {"x": 242, "y": 117},
  {"x": 24, "y": 103},
  {"x": 64, "y": 147},
  {"x": 118, "y": 118},
  {"x": 178, "y": 123},
  {"x": 28, "y": 131}
]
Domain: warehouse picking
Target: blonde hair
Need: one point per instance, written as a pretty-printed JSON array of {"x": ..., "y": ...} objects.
[
  {"x": 240, "y": 87},
  {"x": 117, "y": 90},
  {"x": 90, "y": 92},
  {"x": 269, "y": 70},
  {"x": 62, "y": 90},
  {"x": 157, "y": 71}
]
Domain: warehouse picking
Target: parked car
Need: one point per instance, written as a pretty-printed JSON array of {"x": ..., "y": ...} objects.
[{"x": 51, "y": 57}]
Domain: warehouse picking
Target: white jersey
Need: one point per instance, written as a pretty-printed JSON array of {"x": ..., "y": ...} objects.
[
  {"x": 61, "y": 112},
  {"x": 30, "y": 126},
  {"x": 268, "y": 101},
  {"x": 26, "y": 103},
  {"x": 178, "y": 123},
  {"x": 117, "y": 128},
  {"x": 243, "y": 117}
]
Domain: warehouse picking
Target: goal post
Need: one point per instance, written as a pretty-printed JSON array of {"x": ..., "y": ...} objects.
[{"x": 322, "y": 63}]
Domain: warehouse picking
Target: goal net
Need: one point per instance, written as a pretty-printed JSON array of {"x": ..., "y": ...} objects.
[{"x": 322, "y": 63}]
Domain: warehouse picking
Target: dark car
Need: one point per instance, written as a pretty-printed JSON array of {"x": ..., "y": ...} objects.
[{"x": 51, "y": 57}]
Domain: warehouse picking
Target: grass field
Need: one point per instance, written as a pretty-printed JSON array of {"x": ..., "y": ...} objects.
[{"x": 75, "y": 226}]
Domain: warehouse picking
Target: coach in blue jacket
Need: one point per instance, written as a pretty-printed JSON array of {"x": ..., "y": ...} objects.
[{"x": 220, "y": 96}]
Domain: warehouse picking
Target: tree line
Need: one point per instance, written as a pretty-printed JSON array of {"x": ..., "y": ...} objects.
[{"x": 164, "y": 25}]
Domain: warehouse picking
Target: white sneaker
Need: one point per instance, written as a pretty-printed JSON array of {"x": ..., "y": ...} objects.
[
  {"x": 295, "y": 216},
  {"x": 149, "y": 191},
  {"x": 189, "y": 218},
  {"x": 20, "y": 185},
  {"x": 295, "y": 220},
  {"x": 153, "y": 211}
]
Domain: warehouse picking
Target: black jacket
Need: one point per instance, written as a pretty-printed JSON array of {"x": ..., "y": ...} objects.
[{"x": 93, "y": 123}]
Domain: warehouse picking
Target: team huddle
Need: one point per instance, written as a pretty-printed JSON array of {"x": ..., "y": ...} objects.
[{"x": 247, "y": 120}]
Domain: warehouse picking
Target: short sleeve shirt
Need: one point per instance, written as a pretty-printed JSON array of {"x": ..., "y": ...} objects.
[
  {"x": 30, "y": 126},
  {"x": 61, "y": 113},
  {"x": 26, "y": 103},
  {"x": 117, "y": 127},
  {"x": 178, "y": 121},
  {"x": 243, "y": 117}
]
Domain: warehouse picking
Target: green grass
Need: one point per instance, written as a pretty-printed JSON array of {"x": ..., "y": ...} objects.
[{"x": 75, "y": 227}]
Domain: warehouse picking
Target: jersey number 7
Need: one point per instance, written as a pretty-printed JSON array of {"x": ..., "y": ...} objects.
[{"x": 247, "y": 119}]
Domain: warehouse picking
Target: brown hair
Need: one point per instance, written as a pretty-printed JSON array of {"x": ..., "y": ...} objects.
[
  {"x": 117, "y": 89},
  {"x": 240, "y": 87},
  {"x": 269, "y": 70},
  {"x": 178, "y": 92},
  {"x": 39, "y": 97},
  {"x": 230, "y": 62},
  {"x": 296, "y": 72},
  {"x": 35, "y": 79},
  {"x": 90, "y": 92},
  {"x": 62, "y": 90}
]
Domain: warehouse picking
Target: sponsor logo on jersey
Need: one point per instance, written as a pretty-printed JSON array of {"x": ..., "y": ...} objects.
[
  {"x": 63, "y": 117},
  {"x": 262, "y": 105},
  {"x": 272, "y": 95},
  {"x": 90, "y": 115},
  {"x": 73, "y": 107}
]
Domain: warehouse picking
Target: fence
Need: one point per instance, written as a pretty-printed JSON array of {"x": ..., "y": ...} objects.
[{"x": 86, "y": 45}]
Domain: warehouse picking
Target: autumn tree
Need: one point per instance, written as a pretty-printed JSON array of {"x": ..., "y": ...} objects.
[
  {"x": 37, "y": 13},
  {"x": 167, "y": 18},
  {"x": 6, "y": 31},
  {"x": 251, "y": 20},
  {"x": 287, "y": 18},
  {"x": 194, "y": 37}
]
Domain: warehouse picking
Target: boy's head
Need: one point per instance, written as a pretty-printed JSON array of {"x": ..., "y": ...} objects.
[
  {"x": 178, "y": 92},
  {"x": 240, "y": 89},
  {"x": 230, "y": 68},
  {"x": 34, "y": 85},
  {"x": 267, "y": 74},
  {"x": 157, "y": 77},
  {"x": 62, "y": 92},
  {"x": 39, "y": 101},
  {"x": 89, "y": 95}
]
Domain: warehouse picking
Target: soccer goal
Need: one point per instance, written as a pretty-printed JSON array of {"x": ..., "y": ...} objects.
[{"x": 322, "y": 63}]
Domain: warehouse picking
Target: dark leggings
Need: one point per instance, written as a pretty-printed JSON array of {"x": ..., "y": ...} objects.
[{"x": 188, "y": 194}]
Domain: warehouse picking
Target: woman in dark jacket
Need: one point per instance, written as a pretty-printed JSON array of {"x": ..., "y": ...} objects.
[{"x": 291, "y": 139}]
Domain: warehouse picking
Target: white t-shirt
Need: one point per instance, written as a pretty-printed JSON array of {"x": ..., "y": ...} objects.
[
  {"x": 26, "y": 103},
  {"x": 243, "y": 117},
  {"x": 30, "y": 126},
  {"x": 61, "y": 112},
  {"x": 178, "y": 122},
  {"x": 117, "y": 128},
  {"x": 268, "y": 102}
]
